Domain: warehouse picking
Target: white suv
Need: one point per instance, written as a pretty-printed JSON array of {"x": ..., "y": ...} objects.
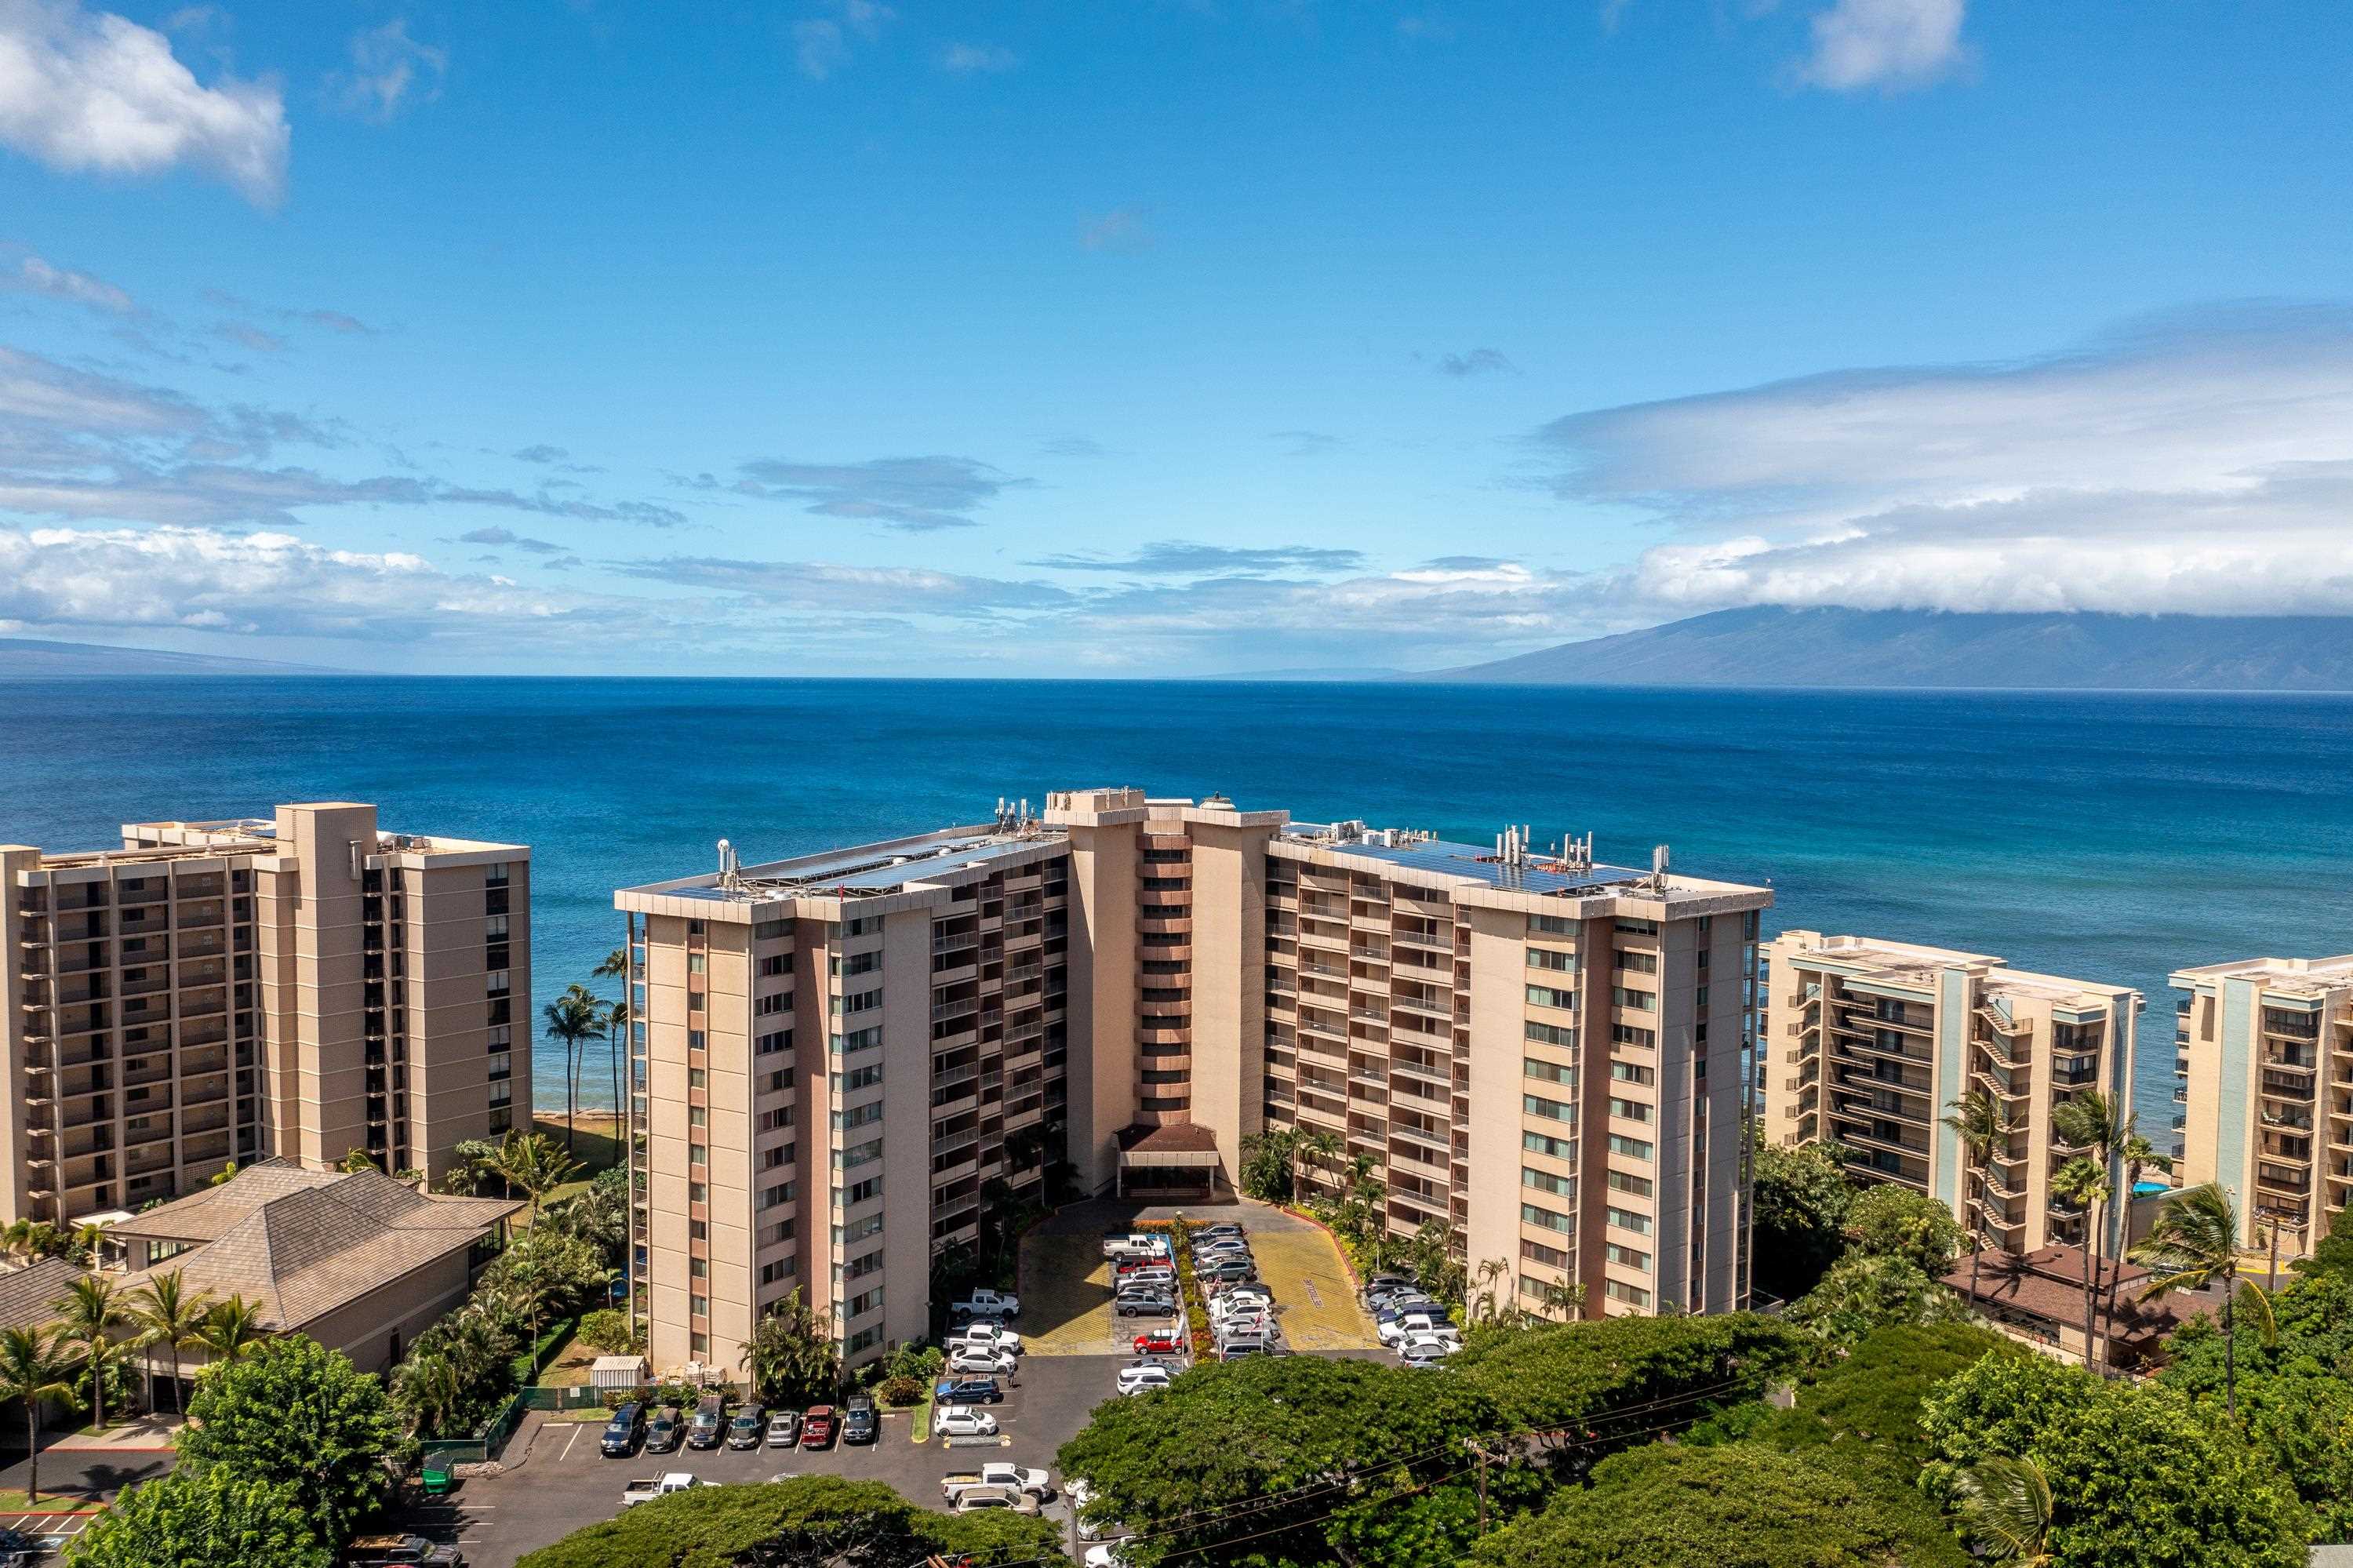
[{"x": 1144, "y": 1379}]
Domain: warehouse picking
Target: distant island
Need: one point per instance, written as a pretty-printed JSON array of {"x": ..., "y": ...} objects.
[
  {"x": 25, "y": 659},
  {"x": 1767, "y": 645}
]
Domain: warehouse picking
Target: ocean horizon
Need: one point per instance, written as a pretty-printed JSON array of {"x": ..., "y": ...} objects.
[{"x": 2109, "y": 836}]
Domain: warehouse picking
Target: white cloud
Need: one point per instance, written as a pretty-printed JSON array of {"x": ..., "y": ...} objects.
[
  {"x": 821, "y": 44},
  {"x": 2201, "y": 465},
  {"x": 387, "y": 66},
  {"x": 966, "y": 59},
  {"x": 91, "y": 90},
  {"x": 1892, "y": 45},
  {"x": 35, "y": 276}
]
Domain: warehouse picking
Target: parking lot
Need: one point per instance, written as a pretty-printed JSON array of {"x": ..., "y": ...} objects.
[
  {"x": 53, "y": 1530},
  {"x": 556, "y": 1479}
]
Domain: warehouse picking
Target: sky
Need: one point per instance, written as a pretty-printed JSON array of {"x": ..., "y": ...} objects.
[{"x": 1156, "y": 337}]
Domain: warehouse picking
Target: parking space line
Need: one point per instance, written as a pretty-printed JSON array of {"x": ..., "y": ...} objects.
[{"x": 567, "y": 1446}]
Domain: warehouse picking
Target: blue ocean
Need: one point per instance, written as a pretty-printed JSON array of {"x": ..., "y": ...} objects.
[{"x": 2110, "y": 836}]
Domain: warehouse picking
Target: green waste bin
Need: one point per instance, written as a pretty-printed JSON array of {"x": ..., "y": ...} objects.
[{"x": 439, "y": 1481}]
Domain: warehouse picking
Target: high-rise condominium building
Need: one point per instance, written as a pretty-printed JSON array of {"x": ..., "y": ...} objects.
[
  {"x": 300, "y": 986},
  {"x": 836, "y": 1053},
  {"x": 2265, "y": 1062},
  {"x": 1871, "y": 1044}
]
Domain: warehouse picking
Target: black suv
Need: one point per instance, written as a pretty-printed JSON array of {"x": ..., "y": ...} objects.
[
  {"x": 859, "y": 1424},
  {"x": 625, "y": 1431},
  {"x": 667, "y": 1432}
]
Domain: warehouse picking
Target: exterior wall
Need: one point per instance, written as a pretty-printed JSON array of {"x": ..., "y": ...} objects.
[
  {"x": 1106, "y": 955},
  {"x": 365, "y": 1330}
]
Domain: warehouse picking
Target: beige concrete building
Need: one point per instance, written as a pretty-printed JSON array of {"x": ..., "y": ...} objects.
[
  {"x": 1124, "y": 984},
  {"x": 300, "y": 986},
  {"x": 2264, "y": 1055},
  {"x": 1870, "y": 1044}
]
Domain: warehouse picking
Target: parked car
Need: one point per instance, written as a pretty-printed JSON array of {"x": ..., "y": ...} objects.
[
  {"x": 1159, "y": 1342},
  {"x": 749, "y": 1427},
  {"x": 1235, "y": 1273},
  {"x": 625, "y": 1431},
  {"x": 1243, "y": 1345},
  {"x": 647, "y": 1487},
  {"x": 1243, "y": 1290},
  {"x": 1223, "y": 1228},
  {"x": 967, "y": 1390},
  {"x": 998, "y": 1473},
  {"x": 1107, "y": 1555},
  {"x": 1393, "y": 1331},
  {"x": 817, "y": 1427},
  {"x": 987, "y": 1304},
  {"x": 986, "y": 1336},
  {"x": 861, "y": 1423},
  {"x": 979, "y": 1499},
  {"x": 783, "y": 1429},
  {"x": 371, "y": 1550},
  {"x": 1425, "y": 1352},
  {"x": 1078, "y": 1495},
  {"x": 1157, "y": 1274},
  {"x": 1142, "y": 1306},
  {"x": 981, "y": 1363},
  {"x": 964, "y": 1421},
  {"x": 1220, "y": 1244},
  {"x": 667, "y": 1432},
  {"x": 1143, "y": 1377},
  {"x": 1378, "y": 1282},
  {"x": 710, "y": 1423},
  {"x": 1135, "y": 1244}
]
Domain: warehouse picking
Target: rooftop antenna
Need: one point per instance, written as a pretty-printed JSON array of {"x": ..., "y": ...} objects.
[{"x": 730, "y": 869}]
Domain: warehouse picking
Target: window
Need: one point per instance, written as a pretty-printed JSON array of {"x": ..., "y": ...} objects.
[
  {"x": 1632, "y": 1073},
  {"x": 698, "y": 963},
  {"x": 782, "y": 1192},
  {"x": 1546, "y": 958},
  {"x": 1552, "y": 1110},
  {"x": 697, "y": 1116},
  {"x": 1552, "y": 925},
  {"x": 1631, "y": 1257},
  {"x": 864, "y": 925},
  {"x": 776, "y": 1081},
  {"x": 696, "y": 1040},
  {"x": 1633, "y": 1110},
  {"x": 1533, "y": 1216},
  {"x": 1536, "y": 1251},
  {"x": 859, "y": 1078},
  {"x": 857, "y": 1041},
  {"x": 697, "y": 1078},
  {"x": 765, "y": 929},
  {"x": 779, "y": 1271},
  {"x": 775, "y": 1041},
  {"x": 776, "y": 964},
  {"x": 1638, "y": 963},
  {"x": 698, "y": 1345},
  {"x": 1559, "y": 1186},
  {"x": 866, "y": 1301},
  {"x": 1634, "y": 927},
  {"x": 1632, "y": 1147},
  {"x": 1633, "y": 1034},
  {"x": 780, "y": 1230},
  {"x": 1626, "y": 1181},
  {"x": 698, "y": 1267},
  {"x": 1552, "y": 1034},
  {"x": 857, "y": 1117},
  {"x": 696, "y": 1193},
  {"x": 770, "y": 1005},
  {"x": 1619, "y": 1291},
  {"x": 854, "y": 964},
  {"x": 858, "y": 1231},
  {"x": 861, "y": 1001},
  {"x": 1699, "y": 998},
  {"x": 776, "y": 1158},
  {"x": 864, "y": 1154},
  {"x": 860, "y": 1191},
  {"x": 699, "y": 1305},
  {"x": 698, "y": 1154},
  {"x": 1628, "y": 1220},
  {"x": 1548, "y": 996},
  {"x": 1558, "y": 1147},
  {"x": 1551, "y": 1072},
  {"x": 1639, "y": 1000},
  {"x": 864, "y": 1340}
]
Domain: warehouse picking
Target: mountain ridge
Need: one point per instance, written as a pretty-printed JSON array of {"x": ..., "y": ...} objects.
[
  {"x": 1771, "y": 645},
  {"x": 30, "y": 659}
]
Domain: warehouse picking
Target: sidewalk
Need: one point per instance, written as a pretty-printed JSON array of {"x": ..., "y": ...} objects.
[{"x": 147, "y": 1435}]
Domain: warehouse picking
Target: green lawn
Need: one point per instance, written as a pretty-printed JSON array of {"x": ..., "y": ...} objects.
[{"x": 12, "y": 1501}]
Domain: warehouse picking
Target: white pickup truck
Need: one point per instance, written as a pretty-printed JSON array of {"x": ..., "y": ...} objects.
[
  {"x": 1135, "y": 1244},
  {"x": 648, "y": 1487},
  {"x": 987, "y": 1304},
  {"x": 1018, "y": 1478}
]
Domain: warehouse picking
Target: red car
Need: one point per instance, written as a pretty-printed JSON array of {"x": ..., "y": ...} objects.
[
  {"x": 817, "y": 1427},
  {"x": 1159, "y": 1342}
]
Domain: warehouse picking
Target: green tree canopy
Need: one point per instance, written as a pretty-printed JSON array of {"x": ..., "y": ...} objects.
[
  {"x": 293, "y": 1412},
  {"x": 1873, "y": 1394},
  {"x": 204, "y": 1516},
  {"x": 1564, "y": 1374},
  {"x": 1737, "y": 1505},
  {"x": 815, "y": 1521},
  {"x": 1803, "y": 1196},
  {"x": 1277, "y": 1434},
  {"x": 1888, "y": 1221},
  {"x": 1866, "y": 1291},
  {"x": 2138, "y": 1477}
]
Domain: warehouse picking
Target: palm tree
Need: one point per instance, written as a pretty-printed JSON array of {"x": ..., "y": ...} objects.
[
  {"x": 2090, "y": 1121},
  {"x": 1977, "y": 1118},
  {"x": 574, "y": 1018},
  {"x": 531, "y": 1161},
  {"x": 1320, "y": 1149},
  {"x": 2194, "y": 1242},
  {"x": 2006, "y": 1508},
  {"x": 2139, "y": 1155},
  {"x": 615, "y": 966},
  {"x": 1565, "y": 1298},
  {"x": 430, "y": 1389},
  {"x": 32, "y": 1370},
  {"x": 791, "y": 1351},
  {"x": 232, "y": 1330},
  {"x": 170, "y": 1316},
  {"x": 88, "y": 1314}
]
